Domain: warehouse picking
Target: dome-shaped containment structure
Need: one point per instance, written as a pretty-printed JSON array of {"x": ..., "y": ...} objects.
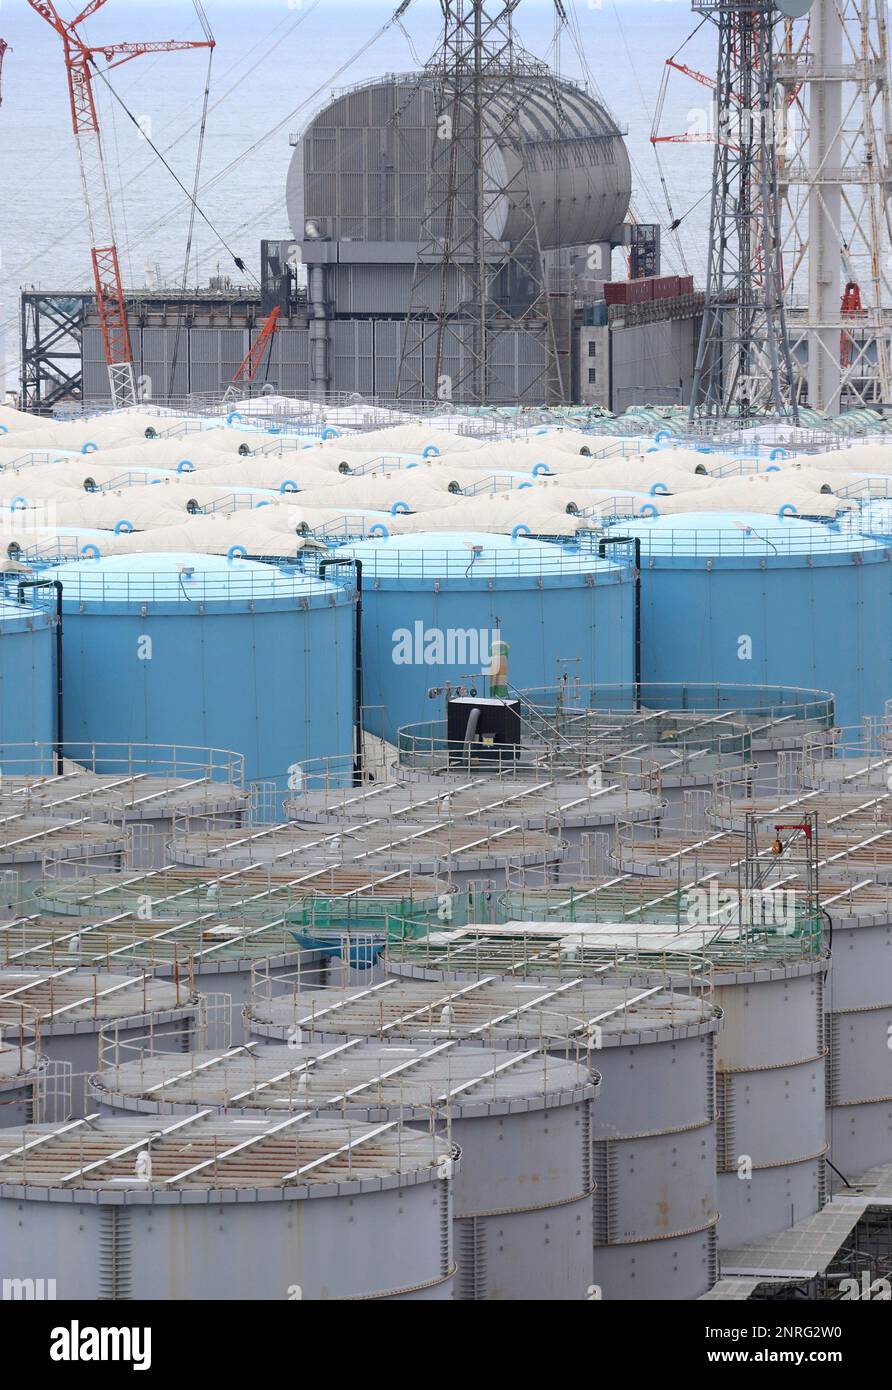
[
  {"x": 361, "y": 170},
  {"x": 484, "y": 614},
  {"x": 747, "y": 597},
  {"x": 27, "y": 667},
  {"x": 203, "y": 651}
]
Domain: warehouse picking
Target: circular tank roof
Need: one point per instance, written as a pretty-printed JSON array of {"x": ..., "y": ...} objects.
[
  {"x": 472, "y": 555},
  {"x": 370, "y": 1077},
  {"x": 184, "y": 579},
  {"x": 362, "y": 167},
  {"x": 742, "y": 535}
]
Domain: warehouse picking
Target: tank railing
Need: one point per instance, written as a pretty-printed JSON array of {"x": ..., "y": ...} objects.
[
  {"x": 38, "y": 458},
  {"x": 516, "y": 563},
  {"x": 175, "y": 765},
  {"x": 771, "y": 540},
  {"x": 238, "y": 584},
  {"x": 603, "y": 761},
  {"x": 669, "y": 745},
  {"x": 720, "y": 920},
  {"x": 128, "y": 479},
  {"x": 329, "y": 780},
  {"x": 385, "y": 464},
  {"x": 866, "y": 490},
  {"x": 765, "y": 793},
  {"x": 267, "y": 987},
  {"x": 131, "y": 945},
  {"x": 53, "y": 1092},
  {"x": 352, "y": 526},
  {"x": 238, "y": 502},
  {"x": 622, "y": 506},
  {"x": 870, "y": 758},
  {"x": 48, "y": 553},
  {"x": 692, "y": 953},
  {"x": 744, "y": 703},
  {"x": 640, "y": 762},
  {"x": 257, "y": 900}
]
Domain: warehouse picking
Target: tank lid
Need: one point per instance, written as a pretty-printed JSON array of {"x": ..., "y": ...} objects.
[
  {"x": 746, "y": 534},
  {"x": 184, "y": 578},
  {"x": 471, "y": 554},
  {"x": 359, "y": 1075}
]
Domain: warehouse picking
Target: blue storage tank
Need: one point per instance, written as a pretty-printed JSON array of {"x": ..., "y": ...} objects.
[
  {"x": 204, "y": 651},
  {"x": 763, "y": 599},
  {"x": 434, "y": 604},
  {"x": 27, "y": 673}
]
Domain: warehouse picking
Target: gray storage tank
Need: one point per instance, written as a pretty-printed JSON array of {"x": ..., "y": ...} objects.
[
  {"x": 654, "y": 1164},
  {"x": 205, "y": 1207},
  {"x": 64, "y": 1013},
  {"x": 21, "y": 1074},
  {"x": 523, "y": 1192}
]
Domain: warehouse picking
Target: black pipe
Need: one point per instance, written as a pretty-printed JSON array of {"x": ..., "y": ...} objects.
[
  {"x": 357, "y": 652},
  {"x": 60, "y": 701},
  {"x": 602, "y": 550}
]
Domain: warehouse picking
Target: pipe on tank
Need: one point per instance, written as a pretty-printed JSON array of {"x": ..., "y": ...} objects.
[
  {"x": 60, "y": 688},
  {"x": 357, "y": 657},
  {"x": 473, "y": 721},
  {"x": 602, "y": 554},
  {"x": 319, "y": 375}
]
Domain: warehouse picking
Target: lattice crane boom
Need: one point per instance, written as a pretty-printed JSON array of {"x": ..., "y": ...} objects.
[
  {"x": 247, "y": 372},
  {"x": 80, "y": 61}
]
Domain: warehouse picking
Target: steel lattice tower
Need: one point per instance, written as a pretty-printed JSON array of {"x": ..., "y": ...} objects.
[
  {"x": 744, "y": 364},
  {"x": 469, "y": 289},
  {"x": 835, "y": 176}
]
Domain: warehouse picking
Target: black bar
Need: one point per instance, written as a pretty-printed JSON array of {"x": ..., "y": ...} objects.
[
  {"x": 60, "y": 688},
  {"x": 602, "y": 551},
  {"x": 357, "y": 685}
]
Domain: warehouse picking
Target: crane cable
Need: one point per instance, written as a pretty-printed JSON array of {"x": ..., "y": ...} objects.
[
  {"x": 674, "y": 222},
  {"x": 193, "y": 202},
  {"x": 258, "y": 144}
]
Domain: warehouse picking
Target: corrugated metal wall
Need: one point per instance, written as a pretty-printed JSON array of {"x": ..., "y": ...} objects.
[
  {"x": 653, "y": 363},
  {"x": 207, "y": 360},
  {"x": 364, "y": 357}
]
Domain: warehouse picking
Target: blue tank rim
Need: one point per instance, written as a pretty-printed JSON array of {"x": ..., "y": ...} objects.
[
  {"x": 503, "y": 563},
  {"x": 141, "y": 584},
  {"x": 749, "y": 541},
  {"x": 36, "y": 614}
]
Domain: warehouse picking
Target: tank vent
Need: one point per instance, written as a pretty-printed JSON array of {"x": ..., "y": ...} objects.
[
  {"x": 115, "y": 1255},
  {"x": 470, "y": 1235},
  {"x": 604, "y": 1175}
]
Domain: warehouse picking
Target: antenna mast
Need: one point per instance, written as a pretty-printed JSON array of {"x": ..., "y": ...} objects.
[
  {"x": 744, "y": 365},
  {"x": 479, "y": 279}
]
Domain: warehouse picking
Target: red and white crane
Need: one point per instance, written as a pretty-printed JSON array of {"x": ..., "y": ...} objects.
[
  {"x": 80, "y": 62},
  {"x": 247, "y": 372}
]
